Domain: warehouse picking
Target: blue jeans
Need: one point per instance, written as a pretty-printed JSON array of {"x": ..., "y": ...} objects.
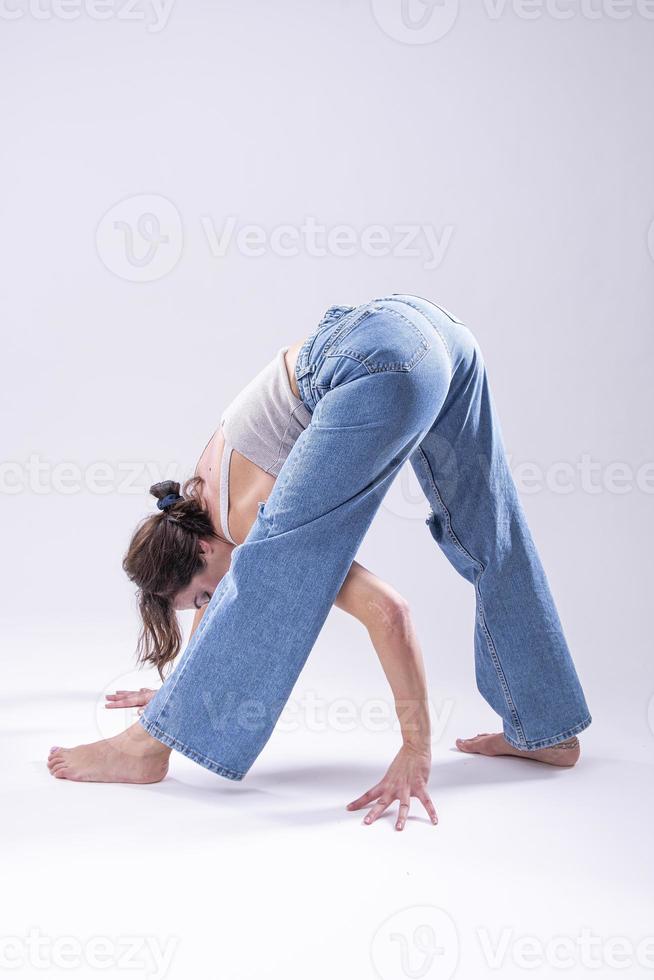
[{"x": 394, "y": 379}]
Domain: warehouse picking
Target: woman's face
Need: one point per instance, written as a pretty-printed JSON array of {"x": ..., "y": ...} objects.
[{"x": 217, "y": 555}]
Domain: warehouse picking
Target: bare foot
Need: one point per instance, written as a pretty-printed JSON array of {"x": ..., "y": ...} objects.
[
  {"x": 131, "y": 757},
  {"x": 564, "y": 754}
]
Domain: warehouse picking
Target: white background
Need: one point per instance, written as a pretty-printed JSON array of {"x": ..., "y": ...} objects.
[{"x": 520, "y": 136}]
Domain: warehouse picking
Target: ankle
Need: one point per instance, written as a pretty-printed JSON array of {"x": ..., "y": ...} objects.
[{"x": 143, "y": 743}]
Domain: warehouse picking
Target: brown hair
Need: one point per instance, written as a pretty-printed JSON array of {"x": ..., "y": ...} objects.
[{"x": 162, "y": 558}]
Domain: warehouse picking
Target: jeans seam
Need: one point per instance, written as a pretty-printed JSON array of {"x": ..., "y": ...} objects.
[
  {"x": 341, "y": 353},
  {"x": 173, "y": 743},
  {"x": 480, "y": 602},
  {"x": 390, "y": 366},
  {"x": 544, "y": 743}
]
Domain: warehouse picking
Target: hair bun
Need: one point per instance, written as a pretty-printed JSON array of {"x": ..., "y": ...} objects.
[{"x": 161, "y": 490}]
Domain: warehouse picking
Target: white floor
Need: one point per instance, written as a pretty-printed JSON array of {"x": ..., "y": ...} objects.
[{"x": 530, "y": 869}]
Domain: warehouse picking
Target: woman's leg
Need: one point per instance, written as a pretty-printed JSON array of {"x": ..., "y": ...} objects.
[
  {"x": 375, "y": 381},
  {"x": 523, "y": 666},
  {"x": 395, "y": 379}
]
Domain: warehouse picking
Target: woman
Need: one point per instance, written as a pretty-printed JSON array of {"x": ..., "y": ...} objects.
[{"x": 262, "y": 544}]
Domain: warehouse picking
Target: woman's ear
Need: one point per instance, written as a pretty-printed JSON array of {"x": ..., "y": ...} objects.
[{"x": 207, "y": 547}]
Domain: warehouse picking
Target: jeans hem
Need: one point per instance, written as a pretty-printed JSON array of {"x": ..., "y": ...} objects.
[
  {"x": 202, "y": 760},
  {"x": 545, "y": 743}
]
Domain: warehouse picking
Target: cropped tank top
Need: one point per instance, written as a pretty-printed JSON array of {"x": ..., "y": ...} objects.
[{"x": 262, "y": 423}]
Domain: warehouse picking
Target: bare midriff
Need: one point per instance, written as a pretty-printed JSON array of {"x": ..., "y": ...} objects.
[{"x": 248, "y": 483}]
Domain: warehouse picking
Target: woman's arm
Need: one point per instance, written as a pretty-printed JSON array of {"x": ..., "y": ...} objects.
[{"x": 387, "y": 618}]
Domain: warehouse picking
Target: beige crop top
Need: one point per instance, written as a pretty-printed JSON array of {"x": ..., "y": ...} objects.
[{"x": 262, "y": 423}]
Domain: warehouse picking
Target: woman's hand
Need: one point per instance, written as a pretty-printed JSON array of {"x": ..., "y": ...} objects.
[
  {"x": 130, "y": 699},
  {"x": 407, "y": 776}
]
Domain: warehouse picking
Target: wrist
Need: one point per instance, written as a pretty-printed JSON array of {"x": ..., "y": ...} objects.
[
  {"x": 413, "y": 715},
  {"x": 418, "y": 745}
]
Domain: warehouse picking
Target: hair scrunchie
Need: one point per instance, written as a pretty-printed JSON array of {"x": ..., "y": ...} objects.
[{"x": 169, "y": 500}]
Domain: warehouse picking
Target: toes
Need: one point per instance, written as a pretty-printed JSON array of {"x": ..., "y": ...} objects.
[
  {"x": 62, "y": 772},
  {"x": 474, "y": 739},
  {"x": 57, "y": 759},
  {"x": 477, "y": 744}
]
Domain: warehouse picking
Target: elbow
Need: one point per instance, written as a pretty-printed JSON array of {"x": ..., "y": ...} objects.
[{"x": 390, "y": 614}]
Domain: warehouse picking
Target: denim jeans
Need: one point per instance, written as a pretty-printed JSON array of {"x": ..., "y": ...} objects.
[{"x": 392, "y": 380}]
